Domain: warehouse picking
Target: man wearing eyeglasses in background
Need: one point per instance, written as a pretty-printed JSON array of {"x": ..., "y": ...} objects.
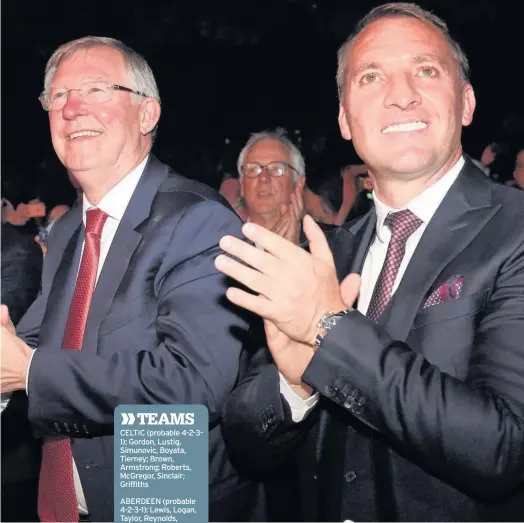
[
  {"x": 272, "y": 178},
  {"x": 131, "y": 308}
]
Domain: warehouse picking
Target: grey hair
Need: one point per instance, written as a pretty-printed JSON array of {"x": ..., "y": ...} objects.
[
  {"x": 406, "y": 10},
  {"x": 278, "y": 135},
  {"x": 141, "y": 76}
]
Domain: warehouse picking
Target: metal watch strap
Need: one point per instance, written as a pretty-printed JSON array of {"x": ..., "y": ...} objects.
[{"x": 327, "y": 322}]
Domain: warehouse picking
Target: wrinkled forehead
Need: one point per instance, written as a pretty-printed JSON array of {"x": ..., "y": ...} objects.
[{"x": 94, "y": 64}]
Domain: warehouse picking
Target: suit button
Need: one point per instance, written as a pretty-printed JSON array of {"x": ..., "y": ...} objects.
[
  {"x": 357, "y": 409},
  {"x": 349, "y": 404},
  {"x": 331, "y": 390},
  {"x": 350, "y": 476}
]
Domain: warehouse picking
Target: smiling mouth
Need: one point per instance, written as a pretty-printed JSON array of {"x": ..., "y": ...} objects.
[
  {"x": 404, "y": 127},
  {"x": 82, "y": 134}
]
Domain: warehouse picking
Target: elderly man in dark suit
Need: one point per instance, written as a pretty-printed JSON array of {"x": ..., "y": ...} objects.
[
  {"x": 407, "y": 405},
  {"x": 132, "y": 309},
  {"x": 21, "y": 275}
]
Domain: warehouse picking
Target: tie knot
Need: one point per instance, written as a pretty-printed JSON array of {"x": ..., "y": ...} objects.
[
  {"x": 402, "y": 223},
  {"x": 95, "y": 220}
]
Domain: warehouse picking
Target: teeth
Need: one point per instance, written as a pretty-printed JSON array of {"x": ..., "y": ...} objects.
[
  {"x": 403, "y": 127},
  {"x": 83, "y": 133}
]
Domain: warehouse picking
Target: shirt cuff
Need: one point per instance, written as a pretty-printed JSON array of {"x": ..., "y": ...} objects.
[
  {"x": 27, "y": 375},
  {"x": 299, "y": 408}
]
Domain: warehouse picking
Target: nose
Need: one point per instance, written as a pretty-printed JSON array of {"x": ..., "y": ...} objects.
[
  {"x": 264, "y": 175},
  {"x": 402, "y": 92},
  {"x": 74, "y": 106}
]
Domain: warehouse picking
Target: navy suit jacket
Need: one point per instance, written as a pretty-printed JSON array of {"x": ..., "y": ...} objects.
[
  {"x": 159, "y": 331},
  {"x": 21, "y": 275},
  {"x": 421, "y": 416}
]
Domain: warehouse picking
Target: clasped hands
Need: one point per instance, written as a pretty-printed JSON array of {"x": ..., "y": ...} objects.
[{"x": 293, "y": 290}]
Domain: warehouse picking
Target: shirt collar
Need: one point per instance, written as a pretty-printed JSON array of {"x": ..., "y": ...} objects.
[
  {"x": 115, "y": 202},
  {"x": 425, "y": 204}
]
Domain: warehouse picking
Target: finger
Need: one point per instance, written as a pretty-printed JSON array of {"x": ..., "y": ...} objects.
[
  {"x": 274, "y": 244},
  {"x": 300, "y": 200},
  {"x": 283, "y": 227},
  {"x": 258, "y": 259},
  {"x": 318, "y": 244},
  {"x": 247, "y": 276},
  {"x": 258, "y": 304},
  {"x": 282, "y": 223},
  {"x": 295, "y": 207},
  {"x": 350, "y": 289},
  {"x": 271, "y": 329}
]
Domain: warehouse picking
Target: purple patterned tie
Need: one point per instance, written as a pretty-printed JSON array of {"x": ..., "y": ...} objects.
[{"x": 402, "y": 224}]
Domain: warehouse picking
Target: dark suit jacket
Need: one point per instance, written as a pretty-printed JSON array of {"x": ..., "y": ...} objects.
[
  {"x": 159, "y": 331},
  {"x": 21, "y": 270},
  {"x": 421, "y": 416},
  {"x": 21, "y": 274}
]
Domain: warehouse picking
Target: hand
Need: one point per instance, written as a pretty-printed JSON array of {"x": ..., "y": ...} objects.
[
  {"x": 294, "y": 288},
  {"x": 290, "y": 222},
  {"x": 5, "y": 319},
  {"x": 42, "y": 244},
  {"x": 9, "y": 214},
  {"x": 15, "y": 356},
  {"x": 290, "y": 357}
]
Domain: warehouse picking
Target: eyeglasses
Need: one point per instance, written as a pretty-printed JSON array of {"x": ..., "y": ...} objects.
[
  {"x": 274, "y": 169},
  {"x": 91, "y": 92}
]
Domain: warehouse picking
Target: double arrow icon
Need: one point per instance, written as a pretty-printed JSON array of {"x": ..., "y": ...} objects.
[{"x": 128, "y": 419}]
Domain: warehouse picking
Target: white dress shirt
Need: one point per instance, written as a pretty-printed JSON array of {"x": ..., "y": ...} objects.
[
  {"x": 114, "y": 204},
  {"x": 423, "y": 206}
]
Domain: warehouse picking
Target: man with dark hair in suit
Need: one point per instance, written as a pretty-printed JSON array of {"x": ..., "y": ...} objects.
[
  {"x": 21, "y": 274},
  {"x": 407, "y": 405},
  {"x": 132, "y": 309}
]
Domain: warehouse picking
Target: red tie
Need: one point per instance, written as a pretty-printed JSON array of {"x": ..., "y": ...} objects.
[
  {"x": 402, "y": 224},
  {"x": 56, "y": 490}
]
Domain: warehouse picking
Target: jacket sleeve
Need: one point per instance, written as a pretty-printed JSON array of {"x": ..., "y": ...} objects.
[
  {"x": 197, "y": 357},
  {"x": 469, "y": 431},
  {"x": 257, "y": 422}
]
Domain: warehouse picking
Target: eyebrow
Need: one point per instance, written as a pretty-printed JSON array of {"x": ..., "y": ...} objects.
[
  {"x": 428, "y": 57},
  {"x": 419, "y": 59}
]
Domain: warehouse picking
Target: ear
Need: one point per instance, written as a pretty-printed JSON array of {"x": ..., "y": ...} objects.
[
  {"x": 149, "y": 115},
  {"x": 301, "y": 182},
  {"x": 343, "y": 123},
  {"x": 469, "y": 102}
]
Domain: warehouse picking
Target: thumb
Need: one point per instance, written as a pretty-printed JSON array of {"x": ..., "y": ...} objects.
[
  {"x": 4, "y": 316},
  {"x": 318, "y": 244},
  {"x": 271, "y": 329},
  {"x": 349, "y": 289},
  {"x": 5, "y": 320}
]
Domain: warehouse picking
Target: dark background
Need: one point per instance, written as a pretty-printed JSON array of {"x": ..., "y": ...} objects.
[{"x": 226, "y": 68}]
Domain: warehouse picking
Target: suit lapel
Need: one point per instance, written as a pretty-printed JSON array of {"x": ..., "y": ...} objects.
[
  {"x": 124, "y": 244},
  {"x": 65, "y": 256},
  {"x": 465, "y": 210}
]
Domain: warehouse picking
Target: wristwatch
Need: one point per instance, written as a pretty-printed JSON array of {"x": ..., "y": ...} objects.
[{"x": 327, "y": 322}]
